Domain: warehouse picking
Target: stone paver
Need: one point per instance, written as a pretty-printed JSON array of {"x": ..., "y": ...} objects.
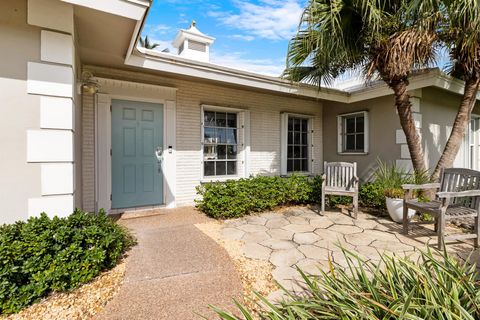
[
  {"x": 306, "y": 238},
  {"x": 299, "y": 227},
  {"x": 301, "y": 237},
  {"x": 256, "y": 251},
  {"x": 255, "y": 236},
  {"x": 287, "y": 257}
]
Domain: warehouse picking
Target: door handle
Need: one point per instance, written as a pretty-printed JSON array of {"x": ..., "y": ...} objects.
[{"x": 159, "y": 153}]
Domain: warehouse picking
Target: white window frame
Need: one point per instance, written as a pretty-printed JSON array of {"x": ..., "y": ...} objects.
[
  {"x": 472, "y": 142},
  {"x": 341, "y": 134},
  {"x": 284, "y": 142},
  {"x": 243, "y": 147}
]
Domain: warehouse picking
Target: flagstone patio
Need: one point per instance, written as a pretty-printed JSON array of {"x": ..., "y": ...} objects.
[{"x": 301, "y": 237}]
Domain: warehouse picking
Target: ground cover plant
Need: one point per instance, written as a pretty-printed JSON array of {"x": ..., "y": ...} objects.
[
  {"x": 395, "y": 288},
  {"x": 236, "y": 198},
  {"x": 45, "y": 254}
]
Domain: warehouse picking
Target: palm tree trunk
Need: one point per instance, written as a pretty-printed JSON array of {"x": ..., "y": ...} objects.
[
  {"x": 404, "y": 108},
  {"x": 460, "y": 124}
]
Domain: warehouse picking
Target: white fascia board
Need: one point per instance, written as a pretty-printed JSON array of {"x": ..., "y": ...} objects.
[
  {"x": 177, "y": 66},
  {"x": 129, "y": 9}
]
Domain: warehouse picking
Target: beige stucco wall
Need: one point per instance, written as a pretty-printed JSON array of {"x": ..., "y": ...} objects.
[
  {"x": 383, "y": 122},
  {"x": 19, "y": 111},
  {"x": 437, "y": 108},
  {"x": 265, "y": 109}
]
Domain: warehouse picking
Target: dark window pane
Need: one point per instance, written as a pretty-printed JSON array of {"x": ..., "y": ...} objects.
[
  {"x": 290, "y": 138},
  {"x": 231, "y": 136},
  {"x": 360, "y": 124},
  {"x": 231, "y": 152},
  {"x": 209, "y": 135},
  {"x": 297, "y": 124},
  {"x": 221, "y": 151},
  {"x": 296, "y": 165},
  {"x": 221, "y": 119},
  {"x": 304, "y": 164},
  {"x": 290, "y": 124},
  {"x": 209, "y": 118},
  {"x": 350, "y": 125},
  {"x": 221, "y": 135},
  {"x": 232, "y": 120},
  {"x": 221, "y": 168},
  {"x": 231, "y": 167},
  {"x": 350, "y": 145},
  {"x": 296, "y": 138},
  {"x": 304, "y": 152},
  {"x": 209, "y": 168},
  {"x": 209, "y": 152},
  {"x": 304, "y": 125},
  {"x": 290, "y": 152},
  {"x": 290, "y": 165},
  {"x": 296, "y": 151},
  {"x": 360, "y": 142},
  {"x": 304, "y": 139}
]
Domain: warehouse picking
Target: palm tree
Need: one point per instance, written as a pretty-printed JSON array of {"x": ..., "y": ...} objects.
[
  {"x": 336, "y": 36},
  {"x": 457, "y": 23},
  {"x": 145, "y": 43}
]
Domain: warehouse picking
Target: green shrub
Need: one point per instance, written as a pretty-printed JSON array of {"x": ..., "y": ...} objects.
[
  {"x": 334, "y": 201},
  {"x": 395, "y": 288},
  {"x": 372, "y": 195},
  {"x": 46, "y": 254},
  {"x": 235, "y": 198}
]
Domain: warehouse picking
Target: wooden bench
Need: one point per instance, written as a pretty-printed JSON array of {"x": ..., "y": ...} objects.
[
  {"x": 458, "y": 197},
  {"x": 340, "y": 179}
]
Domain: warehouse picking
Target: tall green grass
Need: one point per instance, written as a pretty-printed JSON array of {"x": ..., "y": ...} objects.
[{"x": 395, "y": 288}]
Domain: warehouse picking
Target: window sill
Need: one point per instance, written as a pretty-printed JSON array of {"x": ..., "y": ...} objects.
[
  {"x": 219, "y": 179},
  {"x": 352, "y": 153},
  {"x": 299, "y": 173}
]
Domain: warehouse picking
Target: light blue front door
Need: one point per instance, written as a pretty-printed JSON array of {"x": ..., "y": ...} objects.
[{"x": 137, "y": 134}]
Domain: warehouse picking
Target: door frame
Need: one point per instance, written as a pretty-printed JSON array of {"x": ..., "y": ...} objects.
[{"x": 114, "y": 90}]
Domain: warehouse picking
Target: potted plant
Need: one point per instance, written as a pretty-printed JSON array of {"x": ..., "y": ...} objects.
[{"x": 394, "y": 201}]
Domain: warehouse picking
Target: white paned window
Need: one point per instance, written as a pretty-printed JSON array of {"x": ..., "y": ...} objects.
[
  {"x": 353, "y": 132},
  {"x": 296, "y": 143},
  {"x": 220, "y": 143}
]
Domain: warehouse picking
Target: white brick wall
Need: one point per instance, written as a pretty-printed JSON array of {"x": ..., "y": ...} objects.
[{"x": 265, "y": 109}]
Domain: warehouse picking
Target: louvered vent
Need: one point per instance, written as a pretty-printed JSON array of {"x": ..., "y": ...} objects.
[{"x": 197, "y": 46}]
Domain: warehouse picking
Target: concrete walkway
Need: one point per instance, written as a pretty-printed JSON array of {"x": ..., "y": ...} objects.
[{"x": 174, "y": 272}]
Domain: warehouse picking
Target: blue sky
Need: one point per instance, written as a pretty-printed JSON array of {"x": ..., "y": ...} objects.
[{"x": 251, "y": 35}]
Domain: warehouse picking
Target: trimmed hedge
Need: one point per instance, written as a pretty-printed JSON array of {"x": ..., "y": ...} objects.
[
  {"x": 236, "y": 198},
  {"x": 46, "y": 254}
]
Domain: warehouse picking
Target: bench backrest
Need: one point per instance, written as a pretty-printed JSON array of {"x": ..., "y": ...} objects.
[
  {"x": 461, "y": 179},
  {"x": 340, "y": 175}
]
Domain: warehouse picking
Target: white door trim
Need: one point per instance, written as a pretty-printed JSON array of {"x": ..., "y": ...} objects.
[{"x": 103, "y": 140}]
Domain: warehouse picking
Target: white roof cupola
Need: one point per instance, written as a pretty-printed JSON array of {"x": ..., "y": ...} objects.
[{"x": 193, "y": 44}]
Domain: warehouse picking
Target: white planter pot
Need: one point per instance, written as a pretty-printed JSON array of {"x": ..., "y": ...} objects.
[{"x": 395, "y": 209}]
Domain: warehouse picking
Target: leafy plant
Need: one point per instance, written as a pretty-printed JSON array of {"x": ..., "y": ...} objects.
[
  {"x": 46, "y": 254},
  {"x": 395, "y": 193},
  {"x": 235, "y": 198},
  {"x": 372, "y": 195},
  {"x": 394, "y": 288}
]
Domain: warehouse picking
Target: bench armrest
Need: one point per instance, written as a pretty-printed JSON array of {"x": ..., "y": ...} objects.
[
  {"x": 459, "y": 194},
  {"x": 420, "y": 186}
]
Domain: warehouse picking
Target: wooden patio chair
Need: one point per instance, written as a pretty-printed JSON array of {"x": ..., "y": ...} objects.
[
  {"x": 340, "y": 179},
  {"x": 458, "y": 197}
]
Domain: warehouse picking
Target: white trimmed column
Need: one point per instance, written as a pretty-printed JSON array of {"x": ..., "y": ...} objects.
[
  {"x": 405, "y": 160},
  {"x": 52, "y": 78}
]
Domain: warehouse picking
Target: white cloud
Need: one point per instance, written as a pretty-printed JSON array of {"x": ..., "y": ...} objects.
[
  {"x": 237, "y": 61},
  {"x": 243, "y": 37},
  {"x": 155, "y": 30},
  {"x": 270, "y": 19}
]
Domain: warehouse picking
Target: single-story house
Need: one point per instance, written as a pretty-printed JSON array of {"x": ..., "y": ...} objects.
[{"x": 89, "y": 120}]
